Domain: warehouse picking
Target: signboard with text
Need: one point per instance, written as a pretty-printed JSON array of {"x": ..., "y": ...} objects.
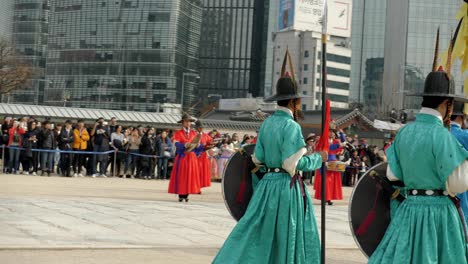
[{"x": 306, "y": 15}]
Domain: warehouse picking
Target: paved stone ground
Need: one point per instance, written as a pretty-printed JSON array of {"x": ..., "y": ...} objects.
[{"x": 84, "y": 220}]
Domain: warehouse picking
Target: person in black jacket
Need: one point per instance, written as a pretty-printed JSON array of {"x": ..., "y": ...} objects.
[
  {"x": 31, "y": 142},
  {"x": 47, "y": 142},
  {"x": 66, "y": 139},
  {"x": 101, "y": 138},
  {"x": 147, "y": 148},
  {"x": 5, "y": 127}
]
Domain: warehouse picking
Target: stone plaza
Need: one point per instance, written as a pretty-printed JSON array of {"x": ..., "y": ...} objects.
[{"x": 113, "y": 220}]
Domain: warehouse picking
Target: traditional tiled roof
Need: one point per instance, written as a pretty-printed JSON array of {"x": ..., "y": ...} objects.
[{"x": 350, "y": 116}]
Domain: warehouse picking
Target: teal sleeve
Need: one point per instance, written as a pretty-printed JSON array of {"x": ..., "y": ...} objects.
[
  {"x": 293, "y": 140},
  {"x": 259, "y": 150},
  {"x": 310, "y": 162},
  {"x": 449, "y": 154}
]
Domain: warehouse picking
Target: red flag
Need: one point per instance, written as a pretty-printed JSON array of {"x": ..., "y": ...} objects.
[{"x": 324, "y": 144}]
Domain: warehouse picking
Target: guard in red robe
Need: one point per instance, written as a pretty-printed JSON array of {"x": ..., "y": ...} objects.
[
  {"x": 185, "y": 176},
  {"x": 334, "y": 188},
  {"x": 203, "y": 160}
]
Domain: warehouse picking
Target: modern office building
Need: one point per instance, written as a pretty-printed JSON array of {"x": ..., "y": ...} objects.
[
  {"x": 272, "y": 27},
  {"x": 305, "y": 49},
  {"x": 123, "y": 54},
  {"x": 6, "y": 19},
  {"x": 233, "y": 48},
  {"x": 367, "y": 43},
  {"x": 29, "y": 36},
  {"x": 393, "y": 46}
]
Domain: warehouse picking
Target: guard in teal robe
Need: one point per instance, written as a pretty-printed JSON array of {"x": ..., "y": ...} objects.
[
  {"x": 279, "y": 224},
  {"x": 462, "y": 137},
  {"x": 426, "y": 228}
]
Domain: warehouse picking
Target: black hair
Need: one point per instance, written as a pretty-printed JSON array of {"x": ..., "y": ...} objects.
[
  {"x": 283, "y": 103},
  {"x": 30, "y": 125},
  {"x": 433, "y": 101}
]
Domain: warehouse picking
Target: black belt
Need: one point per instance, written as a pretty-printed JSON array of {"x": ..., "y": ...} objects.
[
  {"x": 415, "y": 192},
  {"x": 277, "y": 170}
]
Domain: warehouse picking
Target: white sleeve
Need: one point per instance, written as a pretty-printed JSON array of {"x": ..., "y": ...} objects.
[
  {"x": 390, "y": 174},
  {"x": 457, "y": 182},
  {"x": 255, "y": 160},
  {"x": 290, "y": 163}
]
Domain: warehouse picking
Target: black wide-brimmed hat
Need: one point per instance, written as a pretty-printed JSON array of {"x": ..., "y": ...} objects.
[
  {"x": 439, "y": 82},
  {"x": 458, "y": 108},
  {"x": 186, "y": 116},
  {"x": 286, "y": 87},
  {"x": 198, "y": 124}
]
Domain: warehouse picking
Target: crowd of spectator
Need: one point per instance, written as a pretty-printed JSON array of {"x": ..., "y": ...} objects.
[
  {"x": 76, "y": 149},
  {"x": 356, "y": 153},
  {"x": 108, "y": 149}
]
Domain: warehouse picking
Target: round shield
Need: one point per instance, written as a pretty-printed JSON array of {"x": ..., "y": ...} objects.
[
  {"x": 369, "y": 210},
  {"x": 237, "y": 182}
]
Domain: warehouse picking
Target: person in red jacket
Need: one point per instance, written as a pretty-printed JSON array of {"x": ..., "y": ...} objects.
[
  {"x": 185, "y": 176},
  {"x": 15, "y": 141},
  {"x": 203, "y": 161},
  {"x": 333, "y": 183}
]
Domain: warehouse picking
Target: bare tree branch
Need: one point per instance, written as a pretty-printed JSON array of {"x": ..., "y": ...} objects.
[{"x": 14, "y": 74}]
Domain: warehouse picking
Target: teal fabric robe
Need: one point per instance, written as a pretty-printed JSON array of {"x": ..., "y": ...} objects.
[
  {"x": 462, "y": 137},
  {"x": 275, "y": 227},
  {"x": 424, "y": 229}
]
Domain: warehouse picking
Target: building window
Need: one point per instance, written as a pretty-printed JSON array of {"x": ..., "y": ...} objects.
[
  {"x": 159, "y": 17},
  {"x": 305, "y": 80},
  {"x": 306, "y": 54},
  {"x": 338, "y": 98},
  {"x": 304, "y": 107},
  {"x": 336, "y": 71},
  {"x": 306, "y": 67},
  {"x": 338, "y": 85},
  {"x": 304, "y": 92}
]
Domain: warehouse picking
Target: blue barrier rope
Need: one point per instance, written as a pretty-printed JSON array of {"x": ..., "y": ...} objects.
[
  {"x": 123, "y": 152},
  {"x": 63, "y": 151}
]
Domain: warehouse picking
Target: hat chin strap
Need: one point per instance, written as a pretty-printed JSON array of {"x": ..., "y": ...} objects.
[{"x": 447, "y": 116}]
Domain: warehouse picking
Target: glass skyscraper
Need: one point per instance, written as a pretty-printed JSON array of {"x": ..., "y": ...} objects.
[
  {"x": 233, "y": 47},
  {"x": 6, "y": 19},
  {"x": 367, "y": 60},
  {"x": 123, "y": 54},
  {"x": 393, "y": 46},
  {"x": 29, "y": 36}
]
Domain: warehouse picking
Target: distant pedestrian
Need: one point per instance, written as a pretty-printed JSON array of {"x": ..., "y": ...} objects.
[
  {"x": 80, "y": 144},
  {"x": 101, "y": 137}
]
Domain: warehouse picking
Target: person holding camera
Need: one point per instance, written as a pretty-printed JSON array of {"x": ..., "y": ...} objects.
[
  {"x": 15, "y": 136},
  {"x": 163, "y": 151},
  {"x": 101, "y": 137}
]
